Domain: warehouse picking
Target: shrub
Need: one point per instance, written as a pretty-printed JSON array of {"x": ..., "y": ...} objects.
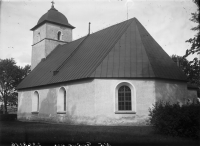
[
  {"x": 176, "y": 120},
  {"x": 8, "y": 117}
]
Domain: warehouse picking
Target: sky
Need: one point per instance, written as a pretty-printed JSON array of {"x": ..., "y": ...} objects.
[{"x": 168, "y": 22}]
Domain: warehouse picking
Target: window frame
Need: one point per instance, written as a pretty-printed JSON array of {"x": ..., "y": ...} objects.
[
  {"x": 124, "y": 98},
  {"x": 133, "y": 99},
  {"x": 62, "y": 111},
  {"x": 38, "y": 101}
]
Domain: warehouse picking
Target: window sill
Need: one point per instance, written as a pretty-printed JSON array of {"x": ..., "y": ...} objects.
[
  {"x": 125, "y": 112},
  {"x": 35, "y": 113},
  {"x": 61, "y": 112}
]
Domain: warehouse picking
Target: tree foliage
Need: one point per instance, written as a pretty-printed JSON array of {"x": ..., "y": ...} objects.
[
  {"x": 195, "y": 41},
  {"x": 176, "y": 120},
  {"x": 10, "y": 76},
  {"x": 190, "y": 68}
]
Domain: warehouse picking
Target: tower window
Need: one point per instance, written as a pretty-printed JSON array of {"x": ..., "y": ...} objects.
[
  {"x": 39, "y": 38},
  {"x": 59, "y": 35}
]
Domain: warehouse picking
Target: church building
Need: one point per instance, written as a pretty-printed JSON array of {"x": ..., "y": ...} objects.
[{"x": 110, "y": 77}]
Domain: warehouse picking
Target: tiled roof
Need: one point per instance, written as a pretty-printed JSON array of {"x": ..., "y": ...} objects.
[{"x": 124, "y": 50}]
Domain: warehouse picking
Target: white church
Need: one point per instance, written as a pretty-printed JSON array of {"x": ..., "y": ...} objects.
[{"x": 110, "y": 77}]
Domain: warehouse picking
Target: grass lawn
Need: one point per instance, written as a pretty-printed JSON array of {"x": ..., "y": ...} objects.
[{"x": 51, "y": 134}]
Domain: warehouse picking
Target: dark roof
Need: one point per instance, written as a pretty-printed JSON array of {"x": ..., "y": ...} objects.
[
  {"x": 55, "y": 17},
  {"x": 124, "y": 50}
]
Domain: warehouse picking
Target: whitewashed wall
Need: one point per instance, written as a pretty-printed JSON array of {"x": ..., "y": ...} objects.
[
  {"x": 171, "y": 91},
  {"x": 93, "y": 101}
]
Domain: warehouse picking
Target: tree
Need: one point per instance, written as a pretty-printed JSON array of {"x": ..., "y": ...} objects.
[
  {"x": 182, "y": 63},
  {"x": 194, "y": 72},
  {"x": 195, "y": 41},
  {"x": 10, "y": 76},
  {"x": 194, "y": 76},
  {"x": 190, "y": 68}
]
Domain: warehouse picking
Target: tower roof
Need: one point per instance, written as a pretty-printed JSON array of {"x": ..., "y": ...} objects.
[
  {"x": 55, "y": 17},
  {"x": 124, "y": 50}
]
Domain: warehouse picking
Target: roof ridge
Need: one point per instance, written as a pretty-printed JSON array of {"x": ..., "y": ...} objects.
[
  {"x": 159, "y": 54},
  {"x": 71, "y": 54},
  {"x": 145, "y": 48},
  {"x": 113, "y": 44},
  {"x": 103, "y": 29},
  {"x": 53, "y": 50},
  {"x": 82, "y": 58},
  {"x": 113, "y": 25},
  {"x": 47, "y": 56},
  {"x": 61, "y": 46}
]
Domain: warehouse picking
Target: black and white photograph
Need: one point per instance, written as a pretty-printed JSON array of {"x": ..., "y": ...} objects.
[{"x": 99, "y": 72}]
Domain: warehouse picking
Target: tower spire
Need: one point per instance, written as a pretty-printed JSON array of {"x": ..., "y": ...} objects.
[{"x": 52, "y": 4}]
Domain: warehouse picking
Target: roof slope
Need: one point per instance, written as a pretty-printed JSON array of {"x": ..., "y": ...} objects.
[
  {"x": 127, "y": 58},
  {"x": 137, "y": 54},
  {"x": 123, "y": 50}
]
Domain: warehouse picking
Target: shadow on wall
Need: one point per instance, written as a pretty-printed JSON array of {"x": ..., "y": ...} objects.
[
  {"x": 48, "y": 106},
  {"x": 24, "y": 111},
  {"x": 171, "y": 91},
  {"x": 48, "y": 109}
]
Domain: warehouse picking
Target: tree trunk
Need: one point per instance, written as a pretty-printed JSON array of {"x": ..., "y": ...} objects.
[{"x": 5, "y": 106}]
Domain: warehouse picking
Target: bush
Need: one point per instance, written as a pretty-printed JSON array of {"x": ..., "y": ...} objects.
[
  {"x": 176, "y": 120},
  {"x": 8, "y": 117}
]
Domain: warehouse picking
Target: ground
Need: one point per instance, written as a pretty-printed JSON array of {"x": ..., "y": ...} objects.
[{"x": 56, "y": 134}]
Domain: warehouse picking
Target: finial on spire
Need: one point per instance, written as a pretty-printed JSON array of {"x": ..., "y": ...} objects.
[{"x": 52, "y": 4}]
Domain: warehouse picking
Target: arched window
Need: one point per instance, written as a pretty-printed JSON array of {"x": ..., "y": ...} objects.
[
  {"x": 124, "y": 98},
  {"x": 59, "y": 35},
  {"x": 61, "y": 100},
  {"x": 35, "y": 102}
]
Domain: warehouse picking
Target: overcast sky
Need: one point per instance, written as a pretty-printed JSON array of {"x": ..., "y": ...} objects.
[{"x": 166, "y": 20}]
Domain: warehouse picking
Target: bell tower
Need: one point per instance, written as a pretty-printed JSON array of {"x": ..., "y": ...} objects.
[{"x": 51, "y": 30}]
